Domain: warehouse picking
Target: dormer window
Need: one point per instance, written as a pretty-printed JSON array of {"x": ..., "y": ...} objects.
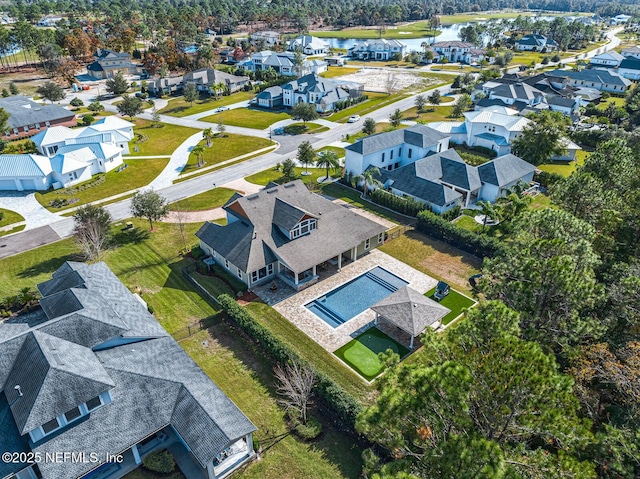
[{"x": 303, "y": 228}]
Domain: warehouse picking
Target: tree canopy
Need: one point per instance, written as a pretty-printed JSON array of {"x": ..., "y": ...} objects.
[{"x": 542, "y": 138}]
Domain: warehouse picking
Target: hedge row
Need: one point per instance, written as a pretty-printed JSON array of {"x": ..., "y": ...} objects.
[
  {"x": 341, "y": 405},
  {"x": 474, "y": 243},
  {"x": 547, "y": 179},
  {"x": 407, "y": 206}
]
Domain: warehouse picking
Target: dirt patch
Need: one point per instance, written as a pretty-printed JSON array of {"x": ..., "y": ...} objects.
[{"x": 380, "y": 80}]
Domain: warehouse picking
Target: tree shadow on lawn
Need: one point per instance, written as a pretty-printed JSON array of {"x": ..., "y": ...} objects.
[
  {"x": 331, "y": 442},
  {"x": 126, "y": 237},
  {"x": 49, "y": 266}
]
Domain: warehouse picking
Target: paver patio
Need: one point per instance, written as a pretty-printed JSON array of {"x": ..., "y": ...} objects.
[{"x": 292, "y": 306}]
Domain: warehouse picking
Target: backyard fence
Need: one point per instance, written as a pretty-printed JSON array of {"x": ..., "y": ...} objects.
[{"x": 186, "y": 272}]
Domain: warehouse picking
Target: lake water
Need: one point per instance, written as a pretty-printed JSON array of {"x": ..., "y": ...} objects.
[{"x": 447, "y": 33}]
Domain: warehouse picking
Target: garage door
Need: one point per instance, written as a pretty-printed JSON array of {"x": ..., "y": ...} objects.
[
  {"x": 7, "y": 185},
  {"x": 28, "y": 184}
]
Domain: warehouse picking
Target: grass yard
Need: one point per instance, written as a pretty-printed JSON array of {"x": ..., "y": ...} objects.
[
  {"x": 431, "y": 113},
  {"x": 376, "y": 100},
  {"x": 362, "y": 352},
  {"x": 204, "y": 201},
  {"x": 565, "y": 168},
  {"x": 434, "y": 258},
  {"x": 264, "y": 177},
  {"x": 468, "y": 223},
  {"x": 380, "y": 127},
  {"x": 336, "y": 149},
  {"x": 455, "y": 301},
  {"x": 148, "y": 263},
  {"x": 9, "y": 217},
  {"x": 213, "y": 284},
  {"x": 15, "y": 229},
  {"x": 309, "y": 350},
  {"x": 180, "y": 108},
  {"x": 333, "y": 72},
  {"x": 456, "y": 68},
  {"x": 248, "y": 118},
  {"x": 140, "y": 172},
  {"x": 304, "y": 128},
  {"x": 225, "y": 148},
  {"x": 159, "y": 141},
  {"x": 617, "y": 101},
  {"x": 409, "y": 30}
]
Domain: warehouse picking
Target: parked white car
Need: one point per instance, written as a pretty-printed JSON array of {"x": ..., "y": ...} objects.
[{"x": 354, "y": 118}]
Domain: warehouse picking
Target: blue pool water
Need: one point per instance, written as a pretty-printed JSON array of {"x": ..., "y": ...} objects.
[{"x": 352, "y": 298}]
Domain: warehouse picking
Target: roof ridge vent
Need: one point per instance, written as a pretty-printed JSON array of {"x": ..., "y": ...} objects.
[
  {"x": 253, "y": 196},
  {"x": 290, "y": 185},
  {"x": 272, "y": 190}
]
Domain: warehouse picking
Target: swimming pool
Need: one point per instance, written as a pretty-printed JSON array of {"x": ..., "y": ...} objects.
[{"x": 347, "y": 301}]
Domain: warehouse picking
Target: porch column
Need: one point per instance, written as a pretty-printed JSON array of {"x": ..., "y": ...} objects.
[
  {"x": 339, "y": 261},
  {"x": 411, "y": 343},
  {"x": 136, "y": 454},
  {"x": 295, "y": 277},
  {"x": 249, "y": 440},
  {"x": 354, "y": 253},
  {"x": 314, "y": 270},
  {"x": 468, "y": 198},
  {"x": 210, "y": 473},
  {"x": 375, "y": 321}
]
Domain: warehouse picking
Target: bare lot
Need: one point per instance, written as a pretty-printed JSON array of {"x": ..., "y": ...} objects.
[{"x": 382, "y": 80}]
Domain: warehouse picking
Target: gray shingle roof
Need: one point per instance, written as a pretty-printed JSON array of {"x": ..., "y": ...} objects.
[
  {"x": 210, "y": 76},
  {"x": 595, "y": 75},
  {"x": 286, "y": 215},
  {"x": 23, "y": 111},
  {"x": 517, "y": 91},
  {"x": 417, "y": 135},
  {"x": 152, "y": 381},
  {"x": 410, "y": 311},
  {"x": 630, "y": 64},
  {"x": 504, "y": 170},
  {"x": 254, "y": 241},
  {"x": 407, "y": 180}
]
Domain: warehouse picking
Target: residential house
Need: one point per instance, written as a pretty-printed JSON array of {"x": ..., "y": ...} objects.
[
  {"x": 49, "y": 21},
  {"x": 164, "y": 86},
  {"x": 394, "y": 149},
  {"x": 382, "y": 49},
  {"x": 283, "y": 64},
  {"x": 108, "y": 63},
  {"x": 208, "y": 79},
  {"x": 443, "y": 180},
  {"x": 568, "y": 106},
  {"x": 598, "y": 78},
  {"x": 607, "y": 59},
  {"x": 511, "y": 93},
  {"x": 26, "y": 117},
  {"x": 269, "y": 37},
  {"x": 458, "y": 52},
  {"x": 632, "y": 52},
  {"x": 322, "y": 92},
  {"x": 335, "y": 61},
  {"x": 630, "y": 69},
  {"x": 92, "y": 372},
  {"x": 494, "y": 128},
  {"x": 286, "y": 231},
  {"x": 308, "y": 45},
  {"x": 535, "y": 42},
  {"x": 618, "y": 19},
  {"x": 67, "y": 157},
  {"x": 270, "y": 97}
]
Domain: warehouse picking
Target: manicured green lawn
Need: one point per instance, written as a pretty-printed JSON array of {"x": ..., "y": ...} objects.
[
  {"x": 565, "y": 168},
  {"x": 226, "y": 147},
  {"x": 336, "y": 149},
  {"x": 140, "y": 172},
  {"x": 248, "y": 118},
  {"x": 431, "y": 113},
  {"x": 15, "y": 229},
  {"x": 213, "y": 284},
  {"x": 411, "y": 30},
  {"x": 611, "y": 100},
  {"x": 308, "y": 349},
  {"x": 455, "y": 301},
  {"x": 159, "y": 141},
  {"x": 333, "y": 72},
  {"x": 180, "y": 108},
  {"x": 362, "y": 352},
  {"x": 306, "y": 128},
  {"x": 434, "y": 258},
  {"x": 455, "y": 68},
  {"x": 204, "y": 201},
  {"x": 376, "y": 100},
  {"x": 468, "y": 223},
  {"x": 9, "y": 217},
  {"x": 266, "y": 176}
]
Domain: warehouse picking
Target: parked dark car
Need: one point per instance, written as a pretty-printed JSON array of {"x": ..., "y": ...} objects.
[{"x": 442, "y": 290}]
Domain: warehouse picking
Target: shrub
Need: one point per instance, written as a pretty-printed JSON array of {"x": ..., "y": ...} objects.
[
  {"x": 545, "y": 60},
  {"x": 547, "y": 179},
  {"x": 87, "y": 120},
  {"x": 556, "y": 58},
  {"x": 308, "y": 431},
  {"x": 76, "y": 102},
  {"x": 437, "y": 227},
  {"x": 341, "y": 406},
  {"x": 159, "y": 461},
  {"x": 452, "y": 214},
  {"x": 406, "y": 206}
]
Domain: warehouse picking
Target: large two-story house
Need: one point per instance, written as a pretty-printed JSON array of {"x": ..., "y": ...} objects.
[
  {"x": 108, "y": 63},
  {"x": 283, "y": 63},
  {"x": 536, "y": 43},
  {"x": 92, "y": 373},
  {"x": 599, "y": 78},
  {"x": 288, "y": 232},
  {"x": 67, "y": 156},
  {"x": 456, "y": 51},
  {"x": 26, "y": 117},
  {"x": 208, "y": 79},
  {"x": 318, "y": 91},
  {"x": 308, "y": 45},
  {"x": 382, "y": 49}
]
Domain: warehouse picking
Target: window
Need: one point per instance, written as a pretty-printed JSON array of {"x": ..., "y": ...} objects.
[
  {"x": 397, "y": 165},
  {"x": 49, "y": 427},
  {"x": 226, "y": 263},
  {"x": 94, "y": 403},
  {"x": 303, "y": 228},
  {"x": 380, "y": 238},
  {"x": 391, "y": 155},
  {"x": 410, "y": 152},
  {"x": 73, "y": 414},
  {"x": 367, "y": 243},
  {"x": 262, "y": 273},
  {"x": 383, "y": 157},
  {"x": 399, "y": 151},
  {"x": 239, "y": 273}
]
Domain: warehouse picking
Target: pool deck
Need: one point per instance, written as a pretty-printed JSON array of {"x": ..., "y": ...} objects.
[{"x": 293, "y": 307}]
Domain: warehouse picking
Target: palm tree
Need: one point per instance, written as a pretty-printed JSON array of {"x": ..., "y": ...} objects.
[
  {"x": 207, "y": 134},
  {"x": 490, "y": 211},
  {"x": 368, "y": 178},
  {"x": 198, "y": 150},
  {"x": 328, "y": 160}
]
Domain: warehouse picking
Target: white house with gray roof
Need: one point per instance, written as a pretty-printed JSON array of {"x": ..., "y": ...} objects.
[
  {"x": 601, "y": 79},
  {"x": 321, "y": 92},
  {"x": 535, "y": 42},
  {"x": 67, "y": 156},
  {"x": 92, "y": 372},
  {"x": 381, "y": 49},
  {"x": 283, "y": 63},
  {"x": 308, "y": 45},
  {"x": 288, "y": 232},
  {"x": 393, "y": 149},
  {"x": 607, "y": 59}
]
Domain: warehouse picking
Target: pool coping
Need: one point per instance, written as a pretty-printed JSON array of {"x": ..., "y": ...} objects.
[{"x": 293, "y": 308}]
